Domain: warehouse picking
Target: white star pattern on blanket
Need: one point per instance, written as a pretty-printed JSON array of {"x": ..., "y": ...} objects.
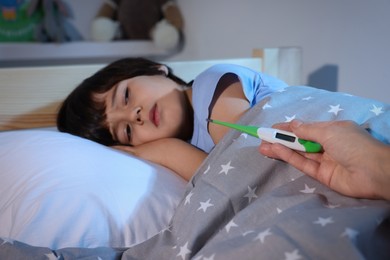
[
  {"x": 290, "y": 118},
  {"x": 262, "y": 235},
  {"x": 207, "y": 170},
  {"x": 323, "y": 221},
  {"x": 307, "y": 98},
  {"x": 205, "y": 205},
  {"x": 376, "y": 110},
  {"x": 251, "y": 194},
  {"x": 294, "y": 255},
  {"x": 201, "y": 257},
  {"x": 221, "y": 199},
  {"x": 350, "y": 233},
  {"x": 331, "y": 206},
  {"x": 184, "y": 251},
  {"x": 266, "y": 106},
  {"x": 226, "y": 168},
  {"x": 308, "y": 189},
  {"x": 52, "y": 256},
  {"x": 244, "y": 135},
  {"x": 335, "y": 109},
  {"x": 188, "y": 198},
  {"x": 7, "y": 240},
  {"x": 230, "y": 225}
]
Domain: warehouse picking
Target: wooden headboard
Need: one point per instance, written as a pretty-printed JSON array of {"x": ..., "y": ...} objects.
[{"x": 30, "y": 97}]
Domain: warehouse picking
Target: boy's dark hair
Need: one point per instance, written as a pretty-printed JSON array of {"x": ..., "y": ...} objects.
[{"x": 82, "y": 115}]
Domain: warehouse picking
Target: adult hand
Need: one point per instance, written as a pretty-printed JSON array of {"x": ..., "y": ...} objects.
[{"x": 352, "y": 162}]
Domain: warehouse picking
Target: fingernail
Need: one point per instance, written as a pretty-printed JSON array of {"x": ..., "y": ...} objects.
[{"x": 296, "y": 123}]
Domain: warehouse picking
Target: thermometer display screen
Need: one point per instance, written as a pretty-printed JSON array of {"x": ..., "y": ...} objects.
[{"x": 284, "y": 137}]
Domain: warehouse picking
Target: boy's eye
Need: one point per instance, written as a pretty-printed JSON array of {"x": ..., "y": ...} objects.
[
  {"x": 128, "y": 133},
  {"x": 126, "y": 96}
]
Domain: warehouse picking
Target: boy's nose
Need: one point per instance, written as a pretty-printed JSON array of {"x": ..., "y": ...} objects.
[{"x": 136, "y": 116}]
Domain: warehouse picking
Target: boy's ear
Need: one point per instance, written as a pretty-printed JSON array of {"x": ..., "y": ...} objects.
[{"x": 164, "y": 69}]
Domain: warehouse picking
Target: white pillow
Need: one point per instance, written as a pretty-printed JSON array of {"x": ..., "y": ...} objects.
[{"x": 58, "y": 190}]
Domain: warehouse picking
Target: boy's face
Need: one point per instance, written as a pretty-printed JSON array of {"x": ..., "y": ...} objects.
[{"x": 144, "y": 109}]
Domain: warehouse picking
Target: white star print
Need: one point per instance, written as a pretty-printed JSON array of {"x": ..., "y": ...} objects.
[
  {"x": 251, "y": 194},
  {"x": 244, "y": 135},
  {"x": 52, "y": 256},
  {"x": 201, "y": 257},
  {"x": 188, "y": 198},
  {"x": 332, "y": 206},
  {"x": 230, "y": 225},
  {"x": 209, "y": 258},
  {"x": 226, "y": 168},
  {"x": 261, "y": 236},
  {"x": 335, "y": 109},
  {"x": 207, "y": 170},
  {"x": 324, "y": 221},
  {"x": 350, "y": 233},
  {"x": 379, "y": 220},
  {"x": 376, "y": 110},
  {"x": 279, "y": 210},
  {"x": 205, "y": 205},
  {"x": 307, "y": 98},
  {"x": 247, "y": 233},
  {"x": 289, "y": 118},
  {"x": 267, "y": 106},
  {"x": 168, "y": 229},
  {"x": 7, "y": 240},
  {"x": 308, "y": 189},
  {"x": 184, "y": 251},
  {"x": 294, "y": 255}
]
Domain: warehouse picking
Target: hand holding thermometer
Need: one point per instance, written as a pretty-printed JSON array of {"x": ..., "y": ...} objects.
[{"x": 274, "y": 135}]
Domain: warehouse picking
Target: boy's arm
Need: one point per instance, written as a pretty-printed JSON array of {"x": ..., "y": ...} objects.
[{"x": 175, "y": 154}]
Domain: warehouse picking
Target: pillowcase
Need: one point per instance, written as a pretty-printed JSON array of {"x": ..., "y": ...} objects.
[{"x": 59, "y": 190}]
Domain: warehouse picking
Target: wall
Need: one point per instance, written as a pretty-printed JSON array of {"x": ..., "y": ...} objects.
[
  {"x": 348, "y": 39},
  {"x": 344, "y": 42}
]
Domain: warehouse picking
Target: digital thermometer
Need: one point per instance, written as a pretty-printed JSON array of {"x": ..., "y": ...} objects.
[{"x": 274, "y": 135}]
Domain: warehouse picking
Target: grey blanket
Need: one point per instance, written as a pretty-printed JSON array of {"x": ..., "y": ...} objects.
[{"x": 242, "y": 205}]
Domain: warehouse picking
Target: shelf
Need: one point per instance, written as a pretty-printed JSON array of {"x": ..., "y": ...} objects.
[{"x": 28, "y": 54}]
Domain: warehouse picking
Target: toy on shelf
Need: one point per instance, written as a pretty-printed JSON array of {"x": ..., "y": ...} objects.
[
  {"x": 54, "y": 26},
  {"x": 15, "y": 24},
  {"x": 158, "y": 20}
]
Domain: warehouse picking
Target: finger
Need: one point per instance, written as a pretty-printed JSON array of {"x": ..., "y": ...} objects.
[
  {"x": 282, "y": 126},
  {"x": 297, "y": 160},
  {"x": 310, "y": 131},
  {"x": 265, "y": 149}
]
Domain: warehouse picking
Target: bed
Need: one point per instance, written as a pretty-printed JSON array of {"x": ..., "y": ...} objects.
[{"x": 63, "y": 197}]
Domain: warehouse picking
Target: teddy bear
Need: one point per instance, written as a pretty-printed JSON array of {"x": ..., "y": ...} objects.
[{"x": 158, "y": 20}]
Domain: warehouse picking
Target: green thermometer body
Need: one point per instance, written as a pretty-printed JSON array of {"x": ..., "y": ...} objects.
[{"x": 273, "y": 135}]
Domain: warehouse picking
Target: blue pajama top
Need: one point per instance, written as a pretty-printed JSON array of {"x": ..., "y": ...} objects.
[{"x": 256, "y": 86}]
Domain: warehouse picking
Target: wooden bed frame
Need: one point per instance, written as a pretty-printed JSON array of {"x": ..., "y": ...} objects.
[{"x": 30, "y": 96}]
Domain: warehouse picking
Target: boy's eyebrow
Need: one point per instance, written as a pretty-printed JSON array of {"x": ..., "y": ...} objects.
[{"x": 114, "y": 93}]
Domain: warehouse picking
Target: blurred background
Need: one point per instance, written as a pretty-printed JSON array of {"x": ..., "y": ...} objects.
[{"x": 344, "y": 43}]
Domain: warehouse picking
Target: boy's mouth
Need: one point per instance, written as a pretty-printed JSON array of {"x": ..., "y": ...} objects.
[{"x": 154, "y": 116}]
